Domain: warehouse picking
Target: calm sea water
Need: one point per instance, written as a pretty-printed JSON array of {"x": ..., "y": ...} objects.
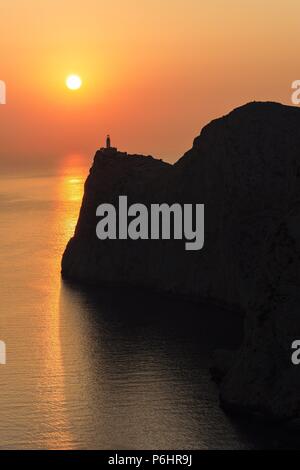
[{"x": 105, "y": 368}]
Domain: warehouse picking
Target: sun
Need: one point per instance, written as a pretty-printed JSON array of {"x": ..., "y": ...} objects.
[{"x": 73, "y": 82}]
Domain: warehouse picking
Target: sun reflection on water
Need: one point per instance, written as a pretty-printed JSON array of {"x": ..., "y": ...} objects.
[{"x": 68, "y": 191}]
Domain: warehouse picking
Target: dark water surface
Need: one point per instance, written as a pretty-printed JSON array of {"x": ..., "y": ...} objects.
[{"x": 106, "y": 369}]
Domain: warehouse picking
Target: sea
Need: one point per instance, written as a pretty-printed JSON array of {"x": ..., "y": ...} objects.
[{"x": 108, "y": 367}]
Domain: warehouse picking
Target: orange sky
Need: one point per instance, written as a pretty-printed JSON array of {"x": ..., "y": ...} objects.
[{"x": 154, "y": 71}]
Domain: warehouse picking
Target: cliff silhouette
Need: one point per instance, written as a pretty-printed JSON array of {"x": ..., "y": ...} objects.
[{"x": 245, "y": 168}]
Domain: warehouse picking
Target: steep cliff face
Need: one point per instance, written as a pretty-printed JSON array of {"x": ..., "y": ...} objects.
[
  {"x": 89, "y": 260},
  {"x": 245, "y": 168},
  {"x": 261, "y": 378}
]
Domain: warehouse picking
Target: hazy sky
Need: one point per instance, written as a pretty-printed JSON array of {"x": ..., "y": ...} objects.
[{"x": 154, "y": 71}]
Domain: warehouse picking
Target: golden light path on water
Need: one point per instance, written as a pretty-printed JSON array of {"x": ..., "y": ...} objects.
[{"x": 69, "y": 190}]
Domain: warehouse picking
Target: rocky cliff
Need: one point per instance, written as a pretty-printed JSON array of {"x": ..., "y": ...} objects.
[{"x": 245, "y": 168}]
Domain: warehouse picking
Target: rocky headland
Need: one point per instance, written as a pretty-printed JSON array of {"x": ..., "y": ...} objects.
[{"x": 245, "y": 168}]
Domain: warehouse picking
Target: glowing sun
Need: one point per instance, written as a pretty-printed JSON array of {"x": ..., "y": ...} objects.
[{"x": 73, "y": 82}]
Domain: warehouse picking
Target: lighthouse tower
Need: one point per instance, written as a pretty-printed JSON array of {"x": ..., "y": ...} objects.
[{"x": 109, "y": 149}]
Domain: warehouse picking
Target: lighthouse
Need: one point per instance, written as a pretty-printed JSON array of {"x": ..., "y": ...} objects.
[{"x": 108, "y": 149}]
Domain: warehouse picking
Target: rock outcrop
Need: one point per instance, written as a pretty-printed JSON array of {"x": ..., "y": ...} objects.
[
  {"x": 86, "y": 259},
  {"x": 245, "y": 168}
]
